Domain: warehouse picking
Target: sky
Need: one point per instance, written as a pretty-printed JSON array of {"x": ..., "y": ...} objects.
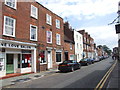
[{"x": 91, "y": 15}]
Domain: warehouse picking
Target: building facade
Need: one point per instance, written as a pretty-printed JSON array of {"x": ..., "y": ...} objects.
[
  {"x": 88, "y": 45},
  {"x": 17, "y": 42},
  {"x": 78, "y": 38},
  {"x": 50, "y": 39},
  {"x": 31, "y": 40},
  {"x": 69, "y": 44}
]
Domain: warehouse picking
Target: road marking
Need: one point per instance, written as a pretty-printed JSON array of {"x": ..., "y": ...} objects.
[{"x": 102, "y": 82}]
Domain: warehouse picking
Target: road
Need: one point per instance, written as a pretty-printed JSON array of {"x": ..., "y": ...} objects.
[{"x": 86, "y": 77}]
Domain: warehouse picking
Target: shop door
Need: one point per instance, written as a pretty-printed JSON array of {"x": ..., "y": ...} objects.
[
  {"x": 9, "y": 63},
  {"x": 49, "y": 60}
]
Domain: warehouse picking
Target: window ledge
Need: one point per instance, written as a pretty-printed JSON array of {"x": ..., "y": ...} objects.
[{"x": 14, "y": 8}]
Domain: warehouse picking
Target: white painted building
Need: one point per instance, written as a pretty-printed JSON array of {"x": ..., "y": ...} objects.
[
  {"x": 17, "y": 57},
  {"x": 78, "y": 38}
]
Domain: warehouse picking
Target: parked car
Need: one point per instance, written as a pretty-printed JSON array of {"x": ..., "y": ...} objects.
[
  {"x": 96, "y": 59},
  {"x": 91, "y": 60},
  {"x": 85, "y": 61},
  {"x": 69, "y": 65}
]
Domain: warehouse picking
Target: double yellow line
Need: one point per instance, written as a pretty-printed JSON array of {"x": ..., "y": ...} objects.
[{"x": 102, "y": 82}]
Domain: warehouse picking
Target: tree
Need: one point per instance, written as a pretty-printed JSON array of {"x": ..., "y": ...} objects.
[{"x": 106, "y": 49}]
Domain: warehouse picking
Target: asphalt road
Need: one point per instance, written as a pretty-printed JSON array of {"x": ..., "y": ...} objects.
[{"x": 86, "y": 77}]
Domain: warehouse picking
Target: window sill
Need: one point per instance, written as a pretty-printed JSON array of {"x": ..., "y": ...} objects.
[
  {"x": 33, "y": 40},
  {"x": 34, "y": 17},
  {"x": 8, "y": 35},
  {"x": 42, "y": 63},
  {"x": 14, "y": 8}
]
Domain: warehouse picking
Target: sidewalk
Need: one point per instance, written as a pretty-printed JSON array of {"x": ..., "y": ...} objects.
[
  {"x": 25, "y": 78},
  {"x": 114, "y": 81}
]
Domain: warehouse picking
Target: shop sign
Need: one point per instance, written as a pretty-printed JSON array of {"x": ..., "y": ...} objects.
[{"x": 14, "y": 46}]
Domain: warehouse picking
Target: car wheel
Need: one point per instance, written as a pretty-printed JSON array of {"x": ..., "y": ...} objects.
[
  {"x": 72, "y": 69},
  {"x": 87, "y": 64},
  {"x": 79, "y": 67}
]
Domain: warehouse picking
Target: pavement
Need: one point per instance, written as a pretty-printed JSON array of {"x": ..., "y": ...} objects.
[
  {"x": 25, "y": 78},
  {"x": 114, "y": 81}
]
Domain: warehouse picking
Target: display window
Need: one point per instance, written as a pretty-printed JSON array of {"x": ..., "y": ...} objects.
[
  {"x": 26, "y": 60},
  {"x": 42, "y": 57},
  {"x": 2, "y": 64}
]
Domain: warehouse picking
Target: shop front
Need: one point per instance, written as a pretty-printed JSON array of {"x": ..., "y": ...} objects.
[{"x": 17, "y": 57}]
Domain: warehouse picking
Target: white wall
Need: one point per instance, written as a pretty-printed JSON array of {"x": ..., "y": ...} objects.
[{"x": 78, "y": 45}]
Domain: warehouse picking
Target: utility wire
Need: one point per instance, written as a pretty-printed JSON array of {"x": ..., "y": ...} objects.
[{"x": 114, "y": 20}]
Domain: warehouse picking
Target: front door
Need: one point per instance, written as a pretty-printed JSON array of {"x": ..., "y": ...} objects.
[
  {"x": 49, "y": 60},
  {"x": 9, "y": 63},
  {"x": 66, "y": 55}
]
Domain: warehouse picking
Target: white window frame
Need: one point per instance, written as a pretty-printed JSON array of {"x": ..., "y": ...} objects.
[
  {"x": 34, "y": 16},
  {"x": 71, "y": 55},
  {"x": 58, "y": 40},
  {"x": 4, "y": 31},
  {"x": 71, "y": 46},
  {"x": 47, "y": 36},
  {"x": 15, "y": 7},
  {"x": 30, "y": 32},
  {"x": 57, "y": 23},
  {"x": 48, "y": 19}
]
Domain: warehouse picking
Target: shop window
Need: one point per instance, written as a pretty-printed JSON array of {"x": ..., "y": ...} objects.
[
  {"x": 2, "y": 63},
  {"x": 26, "y": 60},
  {"x": 42, "y": 57},
  {"x": 9, "y": 26},
  {"x": 11, "y": 3},
  {"x": 58, "y": 57}
]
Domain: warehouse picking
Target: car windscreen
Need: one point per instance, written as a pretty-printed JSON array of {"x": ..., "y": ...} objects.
[
  {"x": 67, "y": 61},
  {"x": 84, "y": 60}
]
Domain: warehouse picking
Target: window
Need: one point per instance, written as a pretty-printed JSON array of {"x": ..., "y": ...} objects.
[
  {"x": 26, "y": 60},
  {"x": 34, "y": 11},
  {"x": 77, "y": 37},
  {"x": 58, "y": 57},
  {"x": 57, "y": 23},
  {"x": 49, "y": 37},
  {"x": 58, "y": 39},
  {"x": 71, "y": 46},
  {"x": 33, "y": 33},
  {"x": 71, "y": 57},
  {"x": 48, "y": 19},
  {"x": 77, "y": 45},
  {"x": 9, "y": 26},
  {"x": 11, "y": 3},
  {"x": 42, "y": 57}
]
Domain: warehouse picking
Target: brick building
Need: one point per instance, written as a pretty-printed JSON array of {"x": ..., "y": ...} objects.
[
  {"x": 18, "y": 44},
  {"x": 88, "y": 45},
  {"x": 69, "y": 44},
  {"x": 32, "y": 38},
  {"x": 50, "y": 39}
]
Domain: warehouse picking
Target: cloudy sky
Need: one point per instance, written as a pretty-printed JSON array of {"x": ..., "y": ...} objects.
[{"x": 91, "y": 15}]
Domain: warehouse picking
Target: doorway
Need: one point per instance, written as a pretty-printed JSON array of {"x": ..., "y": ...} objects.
[
  {"x": 49, "y": 59},
  {"x": 66, "y": 55},
  {"x": 9, "y": 63}
]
